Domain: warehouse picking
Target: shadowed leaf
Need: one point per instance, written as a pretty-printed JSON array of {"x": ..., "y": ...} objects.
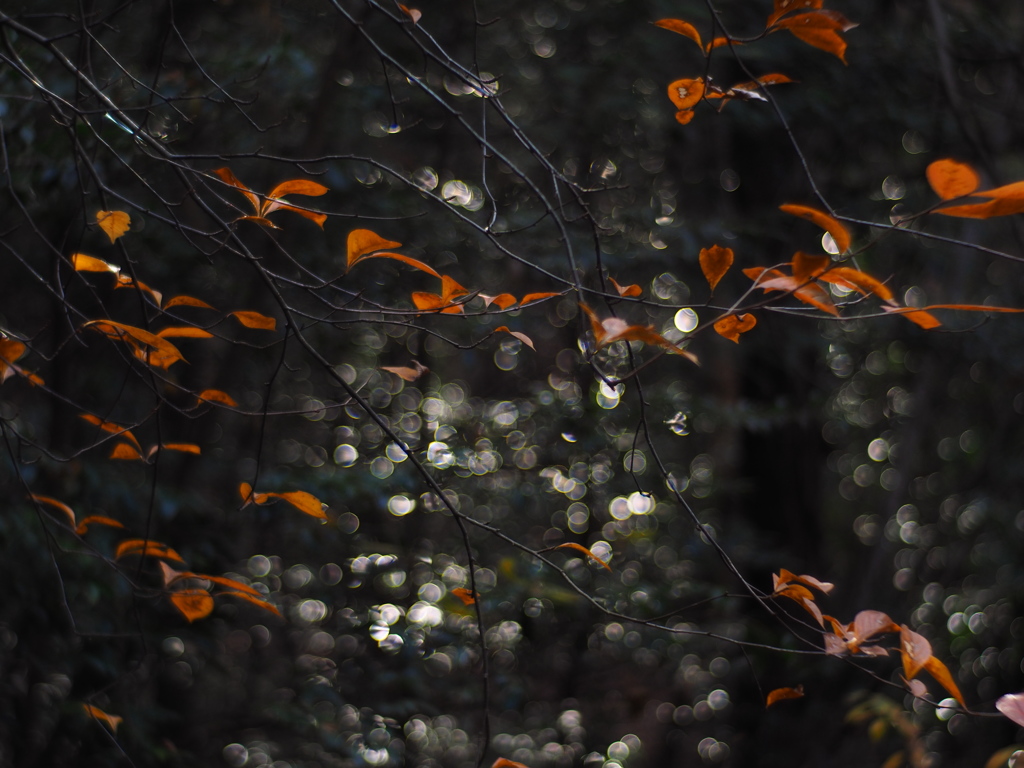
[{"x": 781, "y": 694}]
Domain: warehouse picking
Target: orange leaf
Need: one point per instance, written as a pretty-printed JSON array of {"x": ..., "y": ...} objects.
[
  {"x": 124, "y": 281},
  {"x": 924, "y": 319},
  {"x": 58, "y": 504},
  {"x": 255, "y": 320},
  {"x": 781, "y": 694},
  {"x": 412, "y": 13},
  {"x": 503, "y": 762},
  {"x": 114, "y": 223},
  {"x": 951, "y": 179},
  {"x": 112, "y": 721},
  {"x": 83, "y": 263},
  {"x": 940, "y": 672},
  {"x": 146, "y": 548},
  {"x": 111, "y": 427},
  {"x": 831, "y": 225},
  {"x": 532, "y": 297},
  {"x": 465, "y": 595},
  {"x": 231, "y": 584},
  {"x": 686, "y": 93},
  {"x": 915, "y": 649},
  {"x": 629, "y": 291},
  {"x": 867, "y": 624},
  {"x": 110, "y": 522},
  {"x": 714, "y": 263},
  {"x": 193, "y": 603},
  {"x": 1013, "y": 191},
  {"x": 684, "y": 116},
  {"x": 296, "y": 187},
  {"x": 718, "y": 42},
  {"x": 521, "y": 336},
  {"x": 585, "y": 551},
  {"x": 186, "y": 301},
  {"x": 807, "y": 266},
  {"x": 362, "y": 242},
  {"x": 782, "y": 7},
  {"x": 680, "y": 27},
  {"x": 277, "y": 205},
  {"x": 183, "y": 447},
  {"x": 245, "y": 491},
  {"x": 820, "y": 29},
  {"x": 127, "y": 452},
  {"x": 503, "y": 300},
  {"x": 184, "y": 331},
  {"x": 785, "y": 577},
  {"x": 408, "y": 374},
  {"x": 809, "y": 294},
  {"x": 216, "y": 396},
  {"x": 998, "y": 207},
  {"x": 304, "y": 502},
  {"x": 257, "y": 601},
  {"x": 854, "y": 279},
  {"x": 731, "y": 326},
  {"x": 263, "y": 221},
  {"x": 162, "y": 355},
  {"x": 228, "y": 177}
]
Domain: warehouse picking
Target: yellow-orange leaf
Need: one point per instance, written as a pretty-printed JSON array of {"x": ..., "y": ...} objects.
[
  {"x": 684, "y": 28},
  {"x": 112, "y": 428},
  {"x": 126, "y": 452},
  {"x": 228, "y": 177},
  {"x": 732, "y": 326},
  {"x": 10, "y": 351},
  {"x": 110, "y": 522},
  {"x": 503, "y": 300},
  {"x": 685, "y": 93},
  {"x": 831, "y": 225},
  {"x": 362, "y": 242},
  {"x": 820, "y": 29},
  {"x": 585, "y": 551},
  {"x": 521, "y": 336},
  {"x": 784, "y": 577},
  {"x": 468, "y": 597},
  {"x": 255, "y": 320},
  {"x": 245, "y": 491},
  {"x": 628, "y": 291},
  {"x": 114, "y": 223},
  {"x": 184, "y": 331},
  {"x": 257, "y": 601},
  {"x": 412, "y": 13},
  {"x": 124, "y": 281},
  {"x": 915, "y": 650},
  {"x": 216, "y": 396},
  {"x": 70, "y": 513},
  {"x": 714, "y": 263},
  {"x": 781, "y": 694},
  {"x": 718, "y": 42},
  {"x": 84, "y": 263},
  {"x": 304, "y": 502},
  {"x": 193, "y": 604},
  {"x": 162, "y": 355},
  {"x": 532, "y": 297},
  {"x": 951, "y": 179},
  {"x": 940, "y": 672},
  {"x": 112, "y": 721},
  {"x": 408, "y": 374},
  {"x": 854, "y": 279},
  {"x": 782, "y": 7},
  {"x": 145, "y": 548},
  {"x": 186, "y": 301},
  {"x": 183, "y": 447}
]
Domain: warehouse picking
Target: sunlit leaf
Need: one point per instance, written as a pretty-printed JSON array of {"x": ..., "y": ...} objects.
[
  {"x": 194, "y": 604},
  {"x": 183, "y": 447},
  {"x": 279, "y": 205},
  {"x": 685, "y": 93},
  {"x": 521, "y": 336},
  {"x": 628, "y": 291},
  {"x": 940, "y": 672},
  {"x": 111, "y": 721},
  {"x": 782, "y": 7},
  {"x": 950, "y": 179},
  {"x": 112, "y": 428},
  {"x": 613, "y": 329},
  {"x": 781, "y": 694},
  {"x": 465, "y": 595},
  {"x": 784, "y": 577},
  {"x": 408, "y": 374},
  {"x": 304, "y": 502},
  {"x": 88, "y": 520},
  {"x": 732, "y": 326},
  {"x": 1013, "y": 191},
  {"x": 808, "y": 266},
  {"x": 216, "y": 396},
  {"x": 70, "y": 513},
  {"x": 922, "y": 318},
  {"x": 820, "y": 29},
  {"x": 114, "y": 223},
  {"x": 585, "y": 551},
  {"x": 85, "y": 263},
  {"x": 186, "y": 301},
  {"x": 867, "y": 624},
  {"x": 185, "y": 331},
  {"x": 228, "y": 177},
  {"x": 830, "y": 224},
  {"x": 532, "y": 297},
  {"x": 502, "y": 300},
  {"x": 718, "y": 42},
  {"x": 162, "y": 354},
  {"x": 810, "y": 293},
  {"x": 146, "y": 548},
  {"x": 991, "y": 209},
  {"x": 1012, "y": 705},
  {"x": 412, "y": 13},
  {"x": 714, "y": 263},
  {"x": 362, "y": 242},
  {"x": 255, "y": 320},
  {"x": 684, "y": 28},
  {"x": 125, "y": 281},
  {"x": 853, "y": 279},
  {"x": 126, "y": 452},
  {"x": 915, "y": 650}
]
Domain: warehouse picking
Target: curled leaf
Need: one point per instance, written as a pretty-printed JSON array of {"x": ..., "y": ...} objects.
[
  {"x": 146, "y": 548},
  {"x": 829, "y": 223},
  {"x": 915, "y": 650},
  {"x": 216, "y": 396},
  {"x": 521, "y": 336},
  {"x": 110, "y": 522},
  {"x": 781, "y": 694},
  {"x": 502, "y": 300},
  {"x": 68, "y": 512},
  {"x": 111, "y": 721},
  {"x": 585, "y": 551},
  {"x": 684, "y": 28},
  {"x": 85, "y": 263},
  {"x": 626, "y": 291}
]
